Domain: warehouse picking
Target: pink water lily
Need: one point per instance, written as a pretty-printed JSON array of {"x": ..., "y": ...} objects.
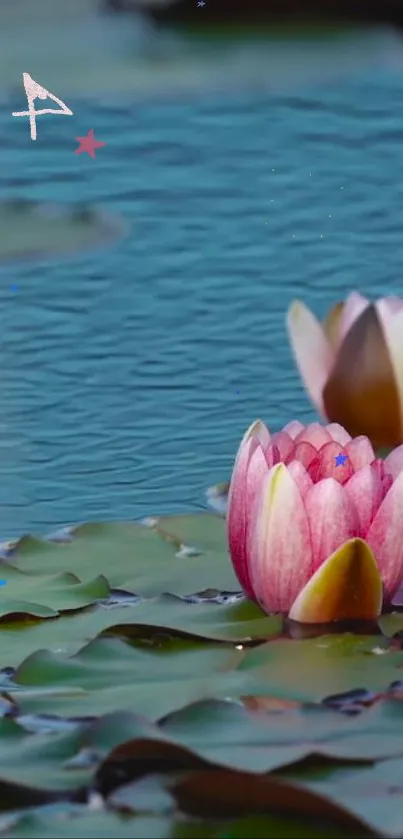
[
  {"x": 352, "y": 364},
  {"x": 310, "y": 535}
]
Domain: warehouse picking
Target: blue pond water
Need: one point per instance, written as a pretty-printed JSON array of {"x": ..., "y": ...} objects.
[{"x": 128, "y": 376}]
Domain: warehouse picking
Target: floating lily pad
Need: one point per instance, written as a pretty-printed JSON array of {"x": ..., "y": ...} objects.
[
  {"x": 169, "y": 616},
  {"x": 204, "y": 532},
  {"x": 31, "y": 231},
  {"x": 375, "y": 793},
  {"x": 131, "y": 556},
  {"x": 108, "y": 674},
  {"x": 135, "y": 674},
  {"x": 391, "y": 624},
  {"x": 313, "y": 669},
  {"x": 241, "y": 622},
  {"x": 74, "y": 822},
  {"x": 46, "y": 596}
]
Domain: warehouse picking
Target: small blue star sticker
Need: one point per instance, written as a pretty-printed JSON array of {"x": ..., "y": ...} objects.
[
  {"x": 340, "y": 459},
  {"x": 200, "y": 3}
]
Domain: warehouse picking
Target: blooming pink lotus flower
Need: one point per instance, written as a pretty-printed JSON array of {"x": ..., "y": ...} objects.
[
  {"x": 352, "y": 364},
  {"x": 311, "y": 538}
]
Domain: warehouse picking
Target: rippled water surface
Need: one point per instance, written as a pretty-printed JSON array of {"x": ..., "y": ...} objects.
[{"x": 129, "y": 375}]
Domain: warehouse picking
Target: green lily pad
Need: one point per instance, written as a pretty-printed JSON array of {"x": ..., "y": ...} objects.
[
  {"x": 46, "y": 596},
  {"x": 148, "y": 794},
  {"x": 202, "y": 531},
  {"x": 109, "y": 671},
  {"x": 37, "y": 761},
  {"x": 374, "y": 793},
  {"x": 30, "y": 230},
  {"x": 64, "y": 761},
  {"x": 227, "y": 734},
  {"x": 183, "y": 700},
  {"x": 69, "y": 632},
  {"x": 240, "y": 622},
  {"x": 130, "y": 556},
  {"x": 109, "y": 674},
  {"x": 233, "y": 623},
  {"x": 68, "y": 822},
  {"x": 313, "y": 669},
  {"x": 391, "y": 624},
  {"x": 214, "y": 792}
]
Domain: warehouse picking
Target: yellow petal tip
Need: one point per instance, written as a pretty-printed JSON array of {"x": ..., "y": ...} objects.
[{"x": 347, "y": 586}]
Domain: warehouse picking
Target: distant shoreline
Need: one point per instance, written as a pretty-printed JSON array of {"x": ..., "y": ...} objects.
[{"x": 303, "y": 12}]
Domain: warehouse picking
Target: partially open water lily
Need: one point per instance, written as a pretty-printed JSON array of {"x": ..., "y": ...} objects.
[
  {"x": 352, "y": 364},
  {"x": 315, "y": 524}
]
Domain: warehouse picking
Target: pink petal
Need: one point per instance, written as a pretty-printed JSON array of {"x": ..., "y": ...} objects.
[
  {"x": 250, "y": 467},
  {"x": 394, "y": 461},
  {"x": 315, "y": 434},
  {"x": 338, "y": 433},
  {"x": 353, "y": 308},
  {"x": 313, "y": 353},
  {"x": 325, "y": 465},
  {"x": 333, "y": 519},
  {"x": 366, "y": 493},
  {"x": 387, "y": 482},
  {"x": 257, "y": 431},
  {"x": 393, "y": 303},
  {"x": 260, "y": 431},
  {"x": 304, "y": 453},
  {"x": 293, "y": 428},
  {"x": 272, "y": 455},
  {"x": 300, "y": 475},
  {"x": 284, "y": 444},
  {"x": 378, "y": 465},
  {"x": 386, "y": 479},
  {"x": 385, "y": 537},
  {"x": 279, "y": 544},
  {"x": 387, "y": 308},
  {"x": 257, "y": 470},
  {"x": 360, "y": 452}
]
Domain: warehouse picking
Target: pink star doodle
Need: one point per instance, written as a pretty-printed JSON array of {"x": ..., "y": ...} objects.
[{"x": 88, "y": 144}]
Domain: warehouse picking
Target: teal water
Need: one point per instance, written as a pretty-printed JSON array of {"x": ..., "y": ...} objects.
[{"x": 128, "y": 376}]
